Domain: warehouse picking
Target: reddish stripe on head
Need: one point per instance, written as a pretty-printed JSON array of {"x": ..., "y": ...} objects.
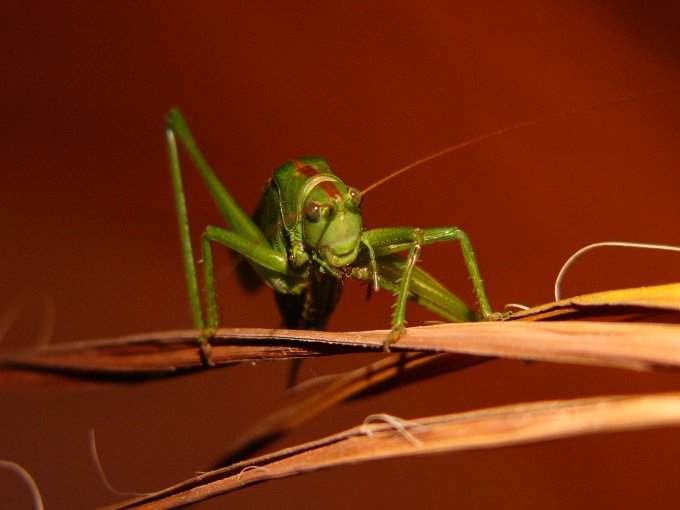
[{"x": 327, "y": 186}]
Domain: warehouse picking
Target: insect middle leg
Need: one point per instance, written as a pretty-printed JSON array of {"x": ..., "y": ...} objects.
[{"x": 386, "y": 241}]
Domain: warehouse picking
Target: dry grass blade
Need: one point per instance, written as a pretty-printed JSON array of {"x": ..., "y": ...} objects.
[
  {"x": 623, "y": 345},
  {"x": 655, "y": 300},
  {"x": 161, "y": 354},
  {"x": 627, "y": 345},
  {"x": 487, "y": 428}
]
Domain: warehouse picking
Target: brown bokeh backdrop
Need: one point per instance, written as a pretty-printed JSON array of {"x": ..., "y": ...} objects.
[{"x": 86, "y": 219}]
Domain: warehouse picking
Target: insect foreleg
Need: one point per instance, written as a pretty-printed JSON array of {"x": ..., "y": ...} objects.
[
  {"x": 373, "y": 265},
  {"x": 260, "y": 254}
]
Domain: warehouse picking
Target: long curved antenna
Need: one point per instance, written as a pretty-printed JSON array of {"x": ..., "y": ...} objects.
[
  {"x": 590, "y": 247},
  {"x": 520, "y": 126}
]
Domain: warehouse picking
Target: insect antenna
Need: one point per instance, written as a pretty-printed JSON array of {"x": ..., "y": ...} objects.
[{"x": 520, "y": 126}]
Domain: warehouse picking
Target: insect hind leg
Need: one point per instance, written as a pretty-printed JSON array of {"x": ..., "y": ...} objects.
[{"x": 177, "y": 132}]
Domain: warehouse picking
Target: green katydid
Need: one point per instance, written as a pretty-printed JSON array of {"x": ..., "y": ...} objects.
[{"x": 308, "y": 235}]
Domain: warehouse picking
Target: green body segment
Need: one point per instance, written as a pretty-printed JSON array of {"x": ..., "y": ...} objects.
[{"x": 305, "y": 238}]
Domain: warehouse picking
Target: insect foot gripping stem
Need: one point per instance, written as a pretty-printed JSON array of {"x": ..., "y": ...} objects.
[
  {"x": 206, "y": 349},
  {"x": 395, "y": 334}
]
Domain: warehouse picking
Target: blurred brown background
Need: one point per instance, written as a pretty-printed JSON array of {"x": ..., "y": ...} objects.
[{"x": 87, "y": 219}]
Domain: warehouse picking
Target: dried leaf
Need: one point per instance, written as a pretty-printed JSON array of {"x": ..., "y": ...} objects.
[
  {"x": 392, "y": 437},
  {"x": 647, "y": 301},
  {"x": 638, "y": 346}
]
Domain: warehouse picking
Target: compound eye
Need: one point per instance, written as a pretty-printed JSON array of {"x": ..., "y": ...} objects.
[
  {"x": 313, "y": 212},
  {"x": 354, "y": 195}
]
